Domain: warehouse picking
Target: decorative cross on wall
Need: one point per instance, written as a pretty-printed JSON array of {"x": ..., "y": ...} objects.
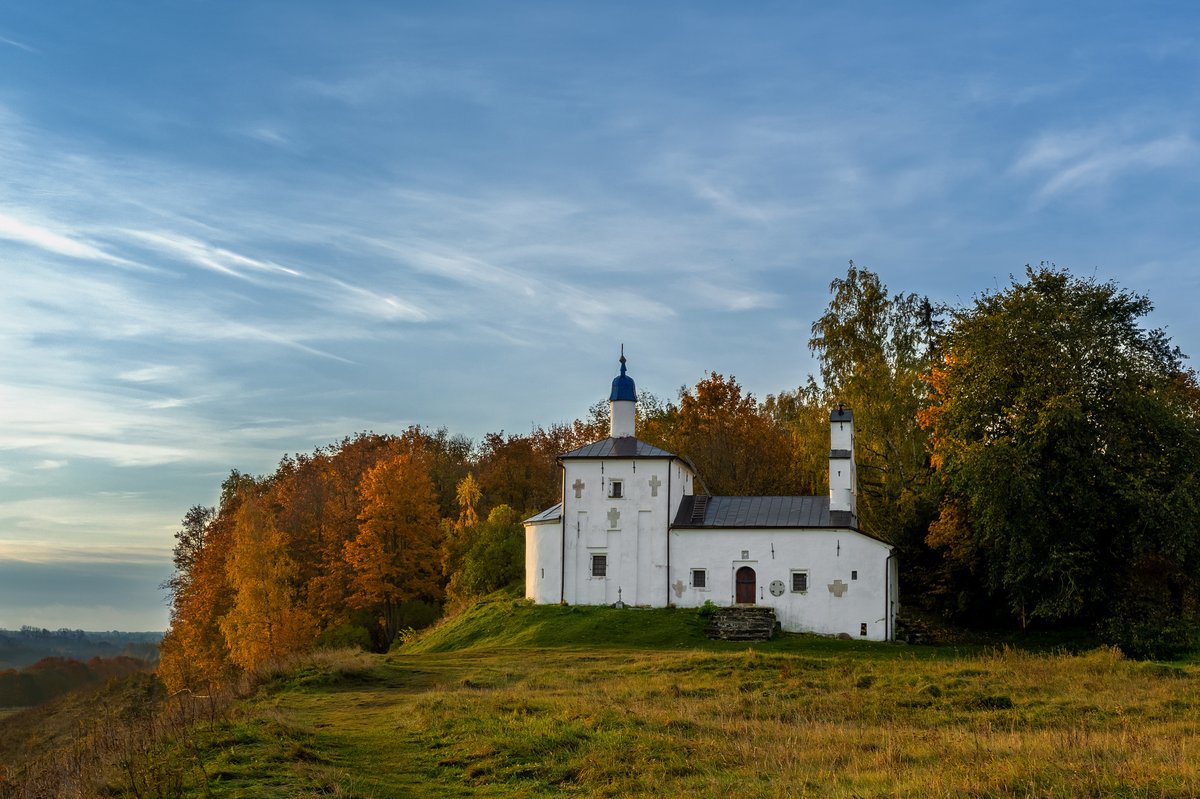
[
  {"x": 654, "y": 484},
  {"x": 837, "y": 588},
  {"x": 614, "y": 516},
  {"x": 578, "y": 486}
]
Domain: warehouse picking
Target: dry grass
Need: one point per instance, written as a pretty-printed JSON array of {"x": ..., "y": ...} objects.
[{"x": 892, "y": 722}]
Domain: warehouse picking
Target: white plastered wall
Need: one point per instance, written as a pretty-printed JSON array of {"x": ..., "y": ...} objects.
[
  {"x": 851, "y": 581},
  {"x": 630, "y": 530}
]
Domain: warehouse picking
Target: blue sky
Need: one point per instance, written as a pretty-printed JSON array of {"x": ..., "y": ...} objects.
[{"x": 234, "y": 230}]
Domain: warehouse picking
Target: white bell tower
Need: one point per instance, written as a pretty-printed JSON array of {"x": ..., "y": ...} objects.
[{"x": 843, "y": 477}]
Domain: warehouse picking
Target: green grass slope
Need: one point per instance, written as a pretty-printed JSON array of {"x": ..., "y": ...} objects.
[
  {"x": 513, "y": 700},
  {"x": 502, "y": 622}
]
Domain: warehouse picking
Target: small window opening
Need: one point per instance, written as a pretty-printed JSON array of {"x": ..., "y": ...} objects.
[
  {"x": 854, "y": 574},
  {"x": 862, "y": 628},
  {"x": 599, "y": 565},
  {"x": 699, "y": 578},
  {"x": 616, "y": 489},
  {"x": 799, "y": 582}
]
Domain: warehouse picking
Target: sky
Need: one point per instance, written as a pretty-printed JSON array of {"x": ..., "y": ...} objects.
[{"x": 235, "y": 230}]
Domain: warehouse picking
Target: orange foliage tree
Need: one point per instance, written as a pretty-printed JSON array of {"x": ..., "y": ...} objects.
[
  {"x": 267, "y": 619},
  {"x": 394, "y": 557}
]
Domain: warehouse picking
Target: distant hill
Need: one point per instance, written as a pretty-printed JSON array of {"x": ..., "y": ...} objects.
[{"x": 28, "y": 645}]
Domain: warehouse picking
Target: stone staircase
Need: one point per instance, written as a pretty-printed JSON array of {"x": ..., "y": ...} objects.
[{"x": 742, "y": 623}]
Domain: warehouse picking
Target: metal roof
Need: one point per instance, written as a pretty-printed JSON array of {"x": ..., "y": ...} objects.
[
  {"x": 754, "y": 512},
  {"x": 625, "y": 447},
  {"x": 552, "y": 514}
]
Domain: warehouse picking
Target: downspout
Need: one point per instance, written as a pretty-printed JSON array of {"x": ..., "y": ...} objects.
[
  {"x": 670, "y": 463},
  {"x": 887, "y": 599},
  {"x": 562, "y": 551}
]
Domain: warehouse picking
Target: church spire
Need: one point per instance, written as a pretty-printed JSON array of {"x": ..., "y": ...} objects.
[{"x": 621, "y": 403}]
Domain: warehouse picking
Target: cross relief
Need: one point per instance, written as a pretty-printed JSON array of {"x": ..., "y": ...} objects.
[
  {"x": 837, "y": 588},
  {"x": 614, "y": 516},
  {"x": 578, "y": 486},
  {"x": 654, "y": 484}
]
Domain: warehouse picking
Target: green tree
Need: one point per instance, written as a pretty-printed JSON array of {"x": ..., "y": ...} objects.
[
  {"x": 873, "y": 352},
  {"x": 494, "y": 555},
  {"x": 1067, "y": 437}
]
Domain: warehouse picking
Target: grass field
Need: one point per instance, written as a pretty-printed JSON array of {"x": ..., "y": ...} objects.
[{"x": 515, "y": 701}]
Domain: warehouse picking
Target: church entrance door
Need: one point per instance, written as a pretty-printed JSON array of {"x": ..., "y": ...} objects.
[{"x": 745, "y": 580}]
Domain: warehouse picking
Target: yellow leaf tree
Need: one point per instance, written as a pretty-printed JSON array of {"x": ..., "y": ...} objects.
[{"x": 267, "y": 621}]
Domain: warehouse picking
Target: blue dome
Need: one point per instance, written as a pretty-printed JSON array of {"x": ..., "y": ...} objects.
[{"x": 623, "y": 389}]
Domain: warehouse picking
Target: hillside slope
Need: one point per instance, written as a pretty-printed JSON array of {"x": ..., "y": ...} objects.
[{"x": 510, "y": 700}]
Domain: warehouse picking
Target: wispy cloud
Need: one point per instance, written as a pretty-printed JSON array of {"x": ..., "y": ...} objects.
[
  {"x": 1071, "y": 162},
  {"x": 14, "y": 229},
  {"x": 218, "y": 259},
  {"x": 19, "y": 45}
]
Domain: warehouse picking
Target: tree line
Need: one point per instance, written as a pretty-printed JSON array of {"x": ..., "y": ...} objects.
[
  {"x": 52, "y": 677},
  {"x": 1032, "y": 455}
]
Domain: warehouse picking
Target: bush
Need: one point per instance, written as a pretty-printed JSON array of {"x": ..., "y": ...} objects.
[{"x": 345, "y": 636}]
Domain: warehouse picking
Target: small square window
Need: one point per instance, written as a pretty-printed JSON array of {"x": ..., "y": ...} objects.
[
  {"x": 799, "y": 582},
  {"x": 616, "y": 489},
  {"x": 599, "y": 565},
  {"x": 745, "y": 554},
  {"x": 699, "y": 578}
]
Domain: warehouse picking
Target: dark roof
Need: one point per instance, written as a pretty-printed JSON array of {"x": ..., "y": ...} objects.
[
  {"x": 551, "y": 514},
  {"x": 702, "y": 511},
  {"x": 840, "y": 414},
  {"x": 625, "y": 447}
]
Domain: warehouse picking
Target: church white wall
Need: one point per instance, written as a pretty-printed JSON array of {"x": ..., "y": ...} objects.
[
  {"x": 543, "y": 562},
  {"x": 851, "y": 581},
  {"x": 628, "y": 529}
]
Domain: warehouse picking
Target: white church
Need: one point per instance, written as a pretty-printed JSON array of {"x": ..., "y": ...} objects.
[{"x": 631, "y": 528}]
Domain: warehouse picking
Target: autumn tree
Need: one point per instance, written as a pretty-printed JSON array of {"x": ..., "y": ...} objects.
[
  {"x": 1068, "y": 438},
  {"x": 194, "y": 652},
  {"x": 738, "y": 448},
  {"x": 267, "y": 620},
  {"x": 456, "y": 533},
  {"x": 395, "y": 557}
]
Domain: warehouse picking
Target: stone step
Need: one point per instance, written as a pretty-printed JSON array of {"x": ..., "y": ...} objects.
[{"x": 742, "y": 623}]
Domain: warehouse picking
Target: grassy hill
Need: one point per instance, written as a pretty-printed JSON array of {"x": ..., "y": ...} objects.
[{"x": 510, "y": 700}]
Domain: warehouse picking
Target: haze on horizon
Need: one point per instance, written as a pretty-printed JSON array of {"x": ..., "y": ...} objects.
[{"x": 230, "y": 231}]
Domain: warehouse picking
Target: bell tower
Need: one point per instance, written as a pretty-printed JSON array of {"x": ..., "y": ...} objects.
[{"x": 622, "y": 403}]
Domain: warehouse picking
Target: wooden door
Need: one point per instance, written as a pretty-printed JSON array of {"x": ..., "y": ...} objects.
[{"x": 746, "y": 589}]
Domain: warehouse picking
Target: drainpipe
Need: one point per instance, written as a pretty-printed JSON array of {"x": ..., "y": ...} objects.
[
  {"x": 670, "y": 463},
  {"x": 562, "y": 552},
  {"x": 887, "y": 598}
]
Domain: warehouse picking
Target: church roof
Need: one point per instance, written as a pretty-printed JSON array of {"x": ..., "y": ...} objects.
[
  {"x": 705, "y": 511},
  {"x": 551, "y": 514},
  {"x": 622, "y": 387},
  {"x": 625, "y": 447}
]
